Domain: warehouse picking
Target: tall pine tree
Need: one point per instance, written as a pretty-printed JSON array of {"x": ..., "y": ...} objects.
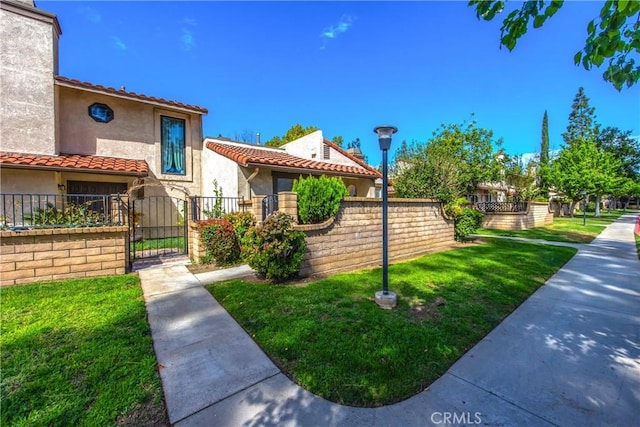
[
  {"x": 543, "y": 171},
  {"x": 582, "y": 120}
]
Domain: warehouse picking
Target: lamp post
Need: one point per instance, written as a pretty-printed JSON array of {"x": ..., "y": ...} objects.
[
  {"x": 385, "y": 299},
  {"x": 584, "y": 207}
]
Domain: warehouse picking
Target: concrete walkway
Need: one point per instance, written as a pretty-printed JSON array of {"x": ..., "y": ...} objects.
[{"x": 569, "y": 356}]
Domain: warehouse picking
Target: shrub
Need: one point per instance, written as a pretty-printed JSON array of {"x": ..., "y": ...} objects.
[
  {"x": 242, "y": 222},
  {"x": 467, "y": 220},
  {"x": 467, "y": 223},
  {"x": 220, "y": 241},
  {"x": 274, "y": 249},
  {"x": 318, "y": 198}
]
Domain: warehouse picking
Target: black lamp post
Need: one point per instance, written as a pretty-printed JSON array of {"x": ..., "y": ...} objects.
[
  {"x": 386, "y": 299},
  {"x": 584, "y": 207}
]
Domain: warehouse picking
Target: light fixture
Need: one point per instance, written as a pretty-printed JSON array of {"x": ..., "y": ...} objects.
[
  {"x": 384, "y": 298},
  {"x": 61, "y": 187}
]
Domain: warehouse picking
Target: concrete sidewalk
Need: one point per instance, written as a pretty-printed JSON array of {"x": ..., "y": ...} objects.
[{"x": 569, "y": 355}]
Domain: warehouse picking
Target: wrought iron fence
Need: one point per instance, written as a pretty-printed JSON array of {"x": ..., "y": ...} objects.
[
  {"x": 215, "y": 207},
  {"x": 269, "y": 205},
  {"x": 24, "y": 211},
  {"x": 490, "y": 207}
]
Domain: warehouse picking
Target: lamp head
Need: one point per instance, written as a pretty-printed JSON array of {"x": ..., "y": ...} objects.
[{"x": 384, "y": 136}]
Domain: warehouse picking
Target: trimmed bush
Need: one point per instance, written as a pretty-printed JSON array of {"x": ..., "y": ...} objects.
[
  {"x": 467, "y": 220},
  {"x": 318, "y": 198},
  {"x": 242, "y": 222},
  {"x": 467, "y": 223},
  {"x": 220, "y": 241},
  {"x": 274, "y": 249}
]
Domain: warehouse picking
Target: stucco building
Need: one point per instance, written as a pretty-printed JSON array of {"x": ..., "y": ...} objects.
[{"x": 64, "y": 136}]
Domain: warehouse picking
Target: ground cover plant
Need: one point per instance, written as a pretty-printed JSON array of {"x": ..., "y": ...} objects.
[
  {"x": 330, "y": 337},
  {"x": 563, "y": 229},
  {"x": 78, "y": 352}
]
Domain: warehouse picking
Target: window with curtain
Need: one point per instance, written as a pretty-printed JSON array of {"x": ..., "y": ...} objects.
[{"x": 172, "y": 135}]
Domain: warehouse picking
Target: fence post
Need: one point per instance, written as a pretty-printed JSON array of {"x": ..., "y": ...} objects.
[{"x": 288, "y": 203}]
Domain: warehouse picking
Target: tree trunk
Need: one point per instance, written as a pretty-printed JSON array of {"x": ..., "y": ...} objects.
[
  {"x": 597, "y": 214},
  {"x": 572, "y": 207}
]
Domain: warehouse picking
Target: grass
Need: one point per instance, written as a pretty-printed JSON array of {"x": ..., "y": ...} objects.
[
  {"x": 637, "y": 245},
  {"x": 78, "y": 352},
  {"x": 563, "y": 229},
  {"x": 164, "y": 243},
  {"x": 331, "y": 338}
]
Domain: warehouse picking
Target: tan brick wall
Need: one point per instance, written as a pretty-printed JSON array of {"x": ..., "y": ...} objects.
[
  {"x": 537, "y": 215},
  {"x": 354, "y": 239},
  {"x": 61, "y": 253},
  {"x": 196, "y": 248}
]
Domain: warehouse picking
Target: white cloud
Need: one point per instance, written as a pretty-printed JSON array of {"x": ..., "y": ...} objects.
[
  {"x": 90, "y": 13},
  {"x": 334, "y": 31},
  {"x": 187, "y": 39},
  {"x": 118, "y": 43}
]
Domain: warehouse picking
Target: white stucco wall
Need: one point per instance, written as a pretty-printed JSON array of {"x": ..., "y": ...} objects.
[
  {"x": 224, "y": 171},
  {"x": 313, "y": 144},
  {"x": 27, "y": 65},
  {"x": 307, "y": 146}
]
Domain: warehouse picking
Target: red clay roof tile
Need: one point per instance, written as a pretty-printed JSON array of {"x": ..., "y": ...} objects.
[
  {"x": 247, "y": 155},
  {"x": 121, "y": 92},
  {"x": 75, "y": 161}
]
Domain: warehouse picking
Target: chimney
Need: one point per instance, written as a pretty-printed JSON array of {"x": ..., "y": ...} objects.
[{"x": 258, "y": 138}]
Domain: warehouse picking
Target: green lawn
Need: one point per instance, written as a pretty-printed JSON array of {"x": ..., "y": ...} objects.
[
  {"x": 563, "y": 229},
  {"x": 637, "y": 245},
  {"x": 331, "y": 338},
  {"x": 78, "y": 352},
  {"x": 164, "y": 243}
]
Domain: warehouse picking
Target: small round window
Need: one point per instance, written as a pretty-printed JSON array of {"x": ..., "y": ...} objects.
[{"x": 100, "y": 112}]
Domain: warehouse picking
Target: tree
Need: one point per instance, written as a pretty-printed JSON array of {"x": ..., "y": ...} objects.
[
  {"x": 624, "y": 148},
  {"x": 295, "y": 132},
  {"x": 452, "y": 163},
  {"x": 543, "y": 167},
  {"x": 357, "y": 145},
  {"x": 520, "y": 176},
  {"x": 582, "y": 120},
  {"x": 583, "y": 166},
  {"x": 613, "y": 35},
  {"x": 338, "y": 140}
]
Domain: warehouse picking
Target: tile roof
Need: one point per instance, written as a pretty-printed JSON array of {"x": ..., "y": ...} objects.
[
  {"x": 112, "y": 165},
  {"x": 351, "y": 156},
  {"x": 64, "y": 81},
  {"x": 251, "y": 155}
]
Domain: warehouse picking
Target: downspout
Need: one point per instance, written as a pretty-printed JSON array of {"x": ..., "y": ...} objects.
[{"x": 249, "y": 179}]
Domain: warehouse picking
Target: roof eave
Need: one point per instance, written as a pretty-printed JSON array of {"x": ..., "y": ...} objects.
[
  {"x": 305, "y": 171},
  {"x": 132, "y": 98},
  {"x": 72, "y": 169}
]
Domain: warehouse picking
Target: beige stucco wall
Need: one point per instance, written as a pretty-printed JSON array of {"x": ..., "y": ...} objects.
[
  {"x": 28, "y": 61},
  {"x": 134, "y": 133},
  {"x": 22, "y": 181}
]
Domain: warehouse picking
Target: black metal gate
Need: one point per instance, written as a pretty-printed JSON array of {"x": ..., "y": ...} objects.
[
  {"x": 157, "y": 228},
  {"x": 269, "y": 205}
]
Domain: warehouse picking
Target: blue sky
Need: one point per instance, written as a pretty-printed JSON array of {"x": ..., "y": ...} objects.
[{"x": 344, "y": 67}]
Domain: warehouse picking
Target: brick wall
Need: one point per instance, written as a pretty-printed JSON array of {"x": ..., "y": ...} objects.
[
  {"x": 353, "y": 240},
  {"x": 537, "y": 215},
  {"x": 61, "y": 253},
  {"x": 196, "y": 247}
]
